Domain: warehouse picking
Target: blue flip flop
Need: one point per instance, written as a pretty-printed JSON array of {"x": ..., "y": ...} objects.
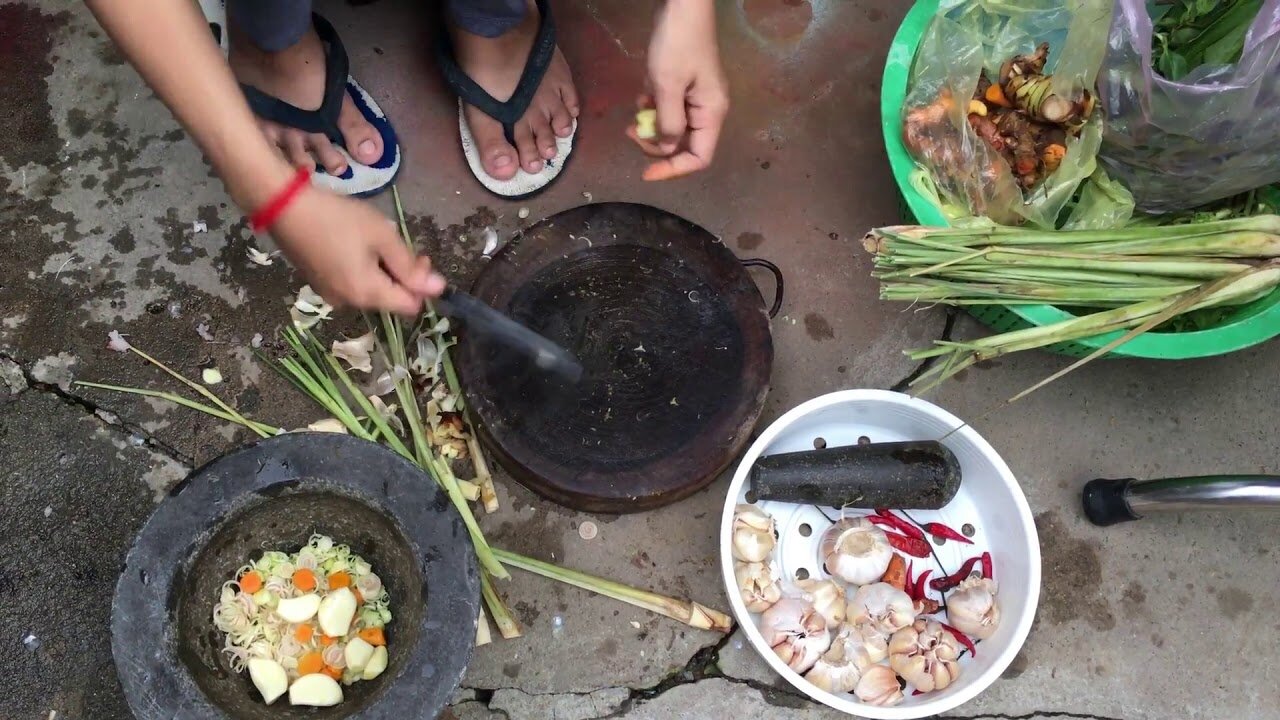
[{"x": 359, "y": 179}]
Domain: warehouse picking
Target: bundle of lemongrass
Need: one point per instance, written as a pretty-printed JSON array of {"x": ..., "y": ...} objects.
[
  {"x": 1131, "y": 279},
  {"x": 428, "y": 424}
]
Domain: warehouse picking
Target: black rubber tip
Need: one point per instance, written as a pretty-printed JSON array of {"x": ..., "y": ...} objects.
[{"x": 1105, "y": 503}]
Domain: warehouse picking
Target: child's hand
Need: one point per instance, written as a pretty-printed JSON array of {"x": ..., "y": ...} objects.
[
  {"x": 689, "y": 90},
  {"x": 353, "y": 255}
]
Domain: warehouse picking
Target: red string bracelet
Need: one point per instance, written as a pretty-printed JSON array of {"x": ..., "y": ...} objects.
[{"x": 266, "y": 216}]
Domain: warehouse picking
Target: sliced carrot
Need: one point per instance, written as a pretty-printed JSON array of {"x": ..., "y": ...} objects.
[
  {"x": 251, "y": 582},
  {"x": 310, "y": 663},
  {"x": 303, "y": 633},
  {"x": 995, "y": 95},
  {"x": 359, "y": 596},
  {"x": 326, "y": 641},
  {"x": 373, "y": 636},
  {"x": 304, "y": 579},
  {"x": 332, "y": 672},
  {"x": 339, "y": 579}
]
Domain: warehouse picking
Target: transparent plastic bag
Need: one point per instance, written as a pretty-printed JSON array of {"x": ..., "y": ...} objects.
[
  {"x": 968, "y": 36},
  {"x": 1210, "y": 135}
]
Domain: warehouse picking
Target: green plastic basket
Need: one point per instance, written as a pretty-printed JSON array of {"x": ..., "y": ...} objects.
[{"x": 1252, "y": 324}]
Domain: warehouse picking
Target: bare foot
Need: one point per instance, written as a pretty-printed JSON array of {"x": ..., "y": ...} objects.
[
  {"x": 496, "y": 64},
  {"x": 296, "y": 75}
]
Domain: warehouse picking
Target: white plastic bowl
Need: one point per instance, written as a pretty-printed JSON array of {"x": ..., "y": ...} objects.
[{"x": 989, "y": 499}]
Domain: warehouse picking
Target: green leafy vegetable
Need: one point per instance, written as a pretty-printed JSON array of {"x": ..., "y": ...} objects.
[{"x": 1191, "y": 33}]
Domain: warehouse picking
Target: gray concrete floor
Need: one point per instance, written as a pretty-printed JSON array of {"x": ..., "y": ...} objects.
[{"x": 1172, "y": 617}]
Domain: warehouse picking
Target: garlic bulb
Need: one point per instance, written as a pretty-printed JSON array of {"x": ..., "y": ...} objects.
[
  {"x": 758, "y": 585},
  {"x": 879, "y": 686},
  {"x": 852, "y": 652},
  {"x": 925, "y": 654},
  {"x": 828, "y": 599},
  {"x": 883, "y": 607},
  {"x": 796, "y": 632},
  {"x": 753, "y": 534},
  {"x": 855, "y": 551},
  {"x": 972, "y": 608}
]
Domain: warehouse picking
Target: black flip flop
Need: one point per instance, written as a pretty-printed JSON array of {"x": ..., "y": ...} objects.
[{"x": 508, "y": 112}]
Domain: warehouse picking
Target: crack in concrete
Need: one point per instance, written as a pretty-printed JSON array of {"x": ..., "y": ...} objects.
[
  {"x": 904, "y": 384},
  {"x": 1036, "y": 715},
  {"x": 103, "y": 415}
]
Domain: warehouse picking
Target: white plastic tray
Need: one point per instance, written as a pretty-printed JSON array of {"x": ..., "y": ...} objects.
[{"x": 989, "y": 499}]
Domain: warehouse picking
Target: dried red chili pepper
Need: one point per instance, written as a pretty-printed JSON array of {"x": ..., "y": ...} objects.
[
  {"x": 886, "y": 517},
  {"x": 943, "y": 531},
  {"x": 961, "y": 638},
  {"x": 911, "y": 583},
  {"x": 947, "y": 582},
  {"x": 915, "y": 547},
  {"x": 917, "y": 691},
  {"x": 920, "y": 585},
  {"x": 987, "y": 570}
]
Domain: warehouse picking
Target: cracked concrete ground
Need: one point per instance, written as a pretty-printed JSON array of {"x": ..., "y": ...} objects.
[{"x": 111, "y": 220}]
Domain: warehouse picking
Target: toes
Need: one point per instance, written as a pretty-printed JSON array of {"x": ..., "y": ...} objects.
[
  {"x": 362, "y": 140},
  {"x": 543, "y": 136},
  {"x": 569, "y": 94},
  {"x": 332, "y": 160},
  {"x": 530, "y": 159},
  {"x": 295, "y": 149},
  {"x": 561, "y": 121},
  {"x": 496, "y": 155}
]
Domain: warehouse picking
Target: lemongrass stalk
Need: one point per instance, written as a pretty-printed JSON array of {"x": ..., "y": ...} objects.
[
  {"x": 1188, "y": 301},
  {"x": 469, "y": 490},
  {"x": 951, "y": 292},
  {"x": 1062, "y": 277},
  {"x": 184, "y": 402},
  {"x": 507, "y": 624},
  {"x": 482, "y": 630},
  {"x": 1227, "y": 290},
  {"x": 1006, "y": 235},
  {"x": 439, "y": 470},
  {"x": 1231, "y": 245},
  {"x": 484, "y": 478},
  {"x": 208, "y": 394},
  {"x": 686, "y": 611}
]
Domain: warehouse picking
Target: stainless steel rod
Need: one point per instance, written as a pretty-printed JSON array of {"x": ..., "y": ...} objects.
[{"x": 1203, "y": 493}]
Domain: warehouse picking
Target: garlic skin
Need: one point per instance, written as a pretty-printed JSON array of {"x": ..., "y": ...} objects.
[
  {"x": 796, "y": 631},
  {"x": 881, "y": 606},
  {"x": 972, "y": 607},
  {"x": 879, "y": 686},
  {"x": 753, "y": 534},
  {"x": 925, "y": 654},
  {"x": 758, "y": 585},
  {"x": 855, "y": 551},
  {"x": 828, "y": 599},
  {"x": 854, "y": 650}
]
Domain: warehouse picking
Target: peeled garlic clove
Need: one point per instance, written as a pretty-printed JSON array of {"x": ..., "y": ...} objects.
[
  {"x": 299, "y": 609},
  {"x": 753, "y": 534},
  {"x": 357, "y": 654},
  {"x": 269, "y": 677},
  {"x": 925, "y": 654},
  {"x": 336, "y": 612},
  {"x": 972, "y": 608},
  {"x": 377, "y": 663},
  {"x": 758, "y": 585},
  {"x": 879, "y": 686},
  {"x": 827, "y": 597},
  {"x": 315, "y": 690},
  {"x": 881, "y": 606},
  {"x": 855, "y": 551},
  {"x": 796, "y": 631}
]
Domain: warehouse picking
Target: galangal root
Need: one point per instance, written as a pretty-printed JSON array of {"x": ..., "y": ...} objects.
[{"x": 1018, "y": 115}]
